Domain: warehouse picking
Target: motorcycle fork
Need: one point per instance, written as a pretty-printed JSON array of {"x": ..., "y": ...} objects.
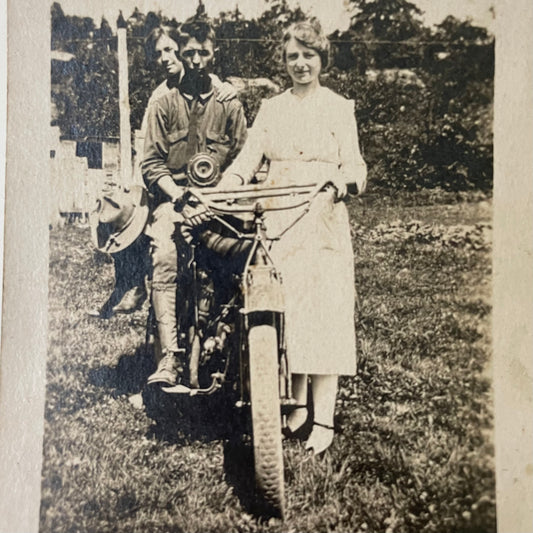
[{"x": 263, "y": 304}]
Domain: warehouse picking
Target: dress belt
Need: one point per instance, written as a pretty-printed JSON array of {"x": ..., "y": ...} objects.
[{"x": 296, "y": 172}]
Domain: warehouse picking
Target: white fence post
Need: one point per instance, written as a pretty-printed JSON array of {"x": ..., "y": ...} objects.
[{"x": 124, "y": 103}]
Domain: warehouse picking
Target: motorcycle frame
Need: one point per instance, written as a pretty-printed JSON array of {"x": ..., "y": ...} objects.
[
  {"x": 261, "y": 295},
  {"x": 260, "y": 301}
]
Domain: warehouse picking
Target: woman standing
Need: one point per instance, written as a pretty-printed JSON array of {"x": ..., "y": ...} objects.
[{"x": 309, "y": 136}]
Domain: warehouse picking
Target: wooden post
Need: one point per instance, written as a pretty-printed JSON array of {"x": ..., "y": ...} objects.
[{"x": 124, "y": 104}]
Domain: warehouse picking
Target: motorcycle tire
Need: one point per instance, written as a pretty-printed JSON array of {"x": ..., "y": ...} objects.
[{"x": 266, "y": 417}]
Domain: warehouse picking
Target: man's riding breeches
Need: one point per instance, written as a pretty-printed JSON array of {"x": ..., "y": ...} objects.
[
  {"x": 164, "y": 252},
  {"x": 162, "y": 232}
]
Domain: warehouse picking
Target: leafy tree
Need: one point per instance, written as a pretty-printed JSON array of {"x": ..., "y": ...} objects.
[
  {"x": 68, "y": 31},
  {"x": 459, "y": 74},
  {"x": 239, "y": 50},
  {"x": 88, "y": 101},
  {"x": 396, "y": 23},
  {"x": 84, "y": 89},
  {"x": 462, "y": 56},
  {"x": 431, "y": 134}
]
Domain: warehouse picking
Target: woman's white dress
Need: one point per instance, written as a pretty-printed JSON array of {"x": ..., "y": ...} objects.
[{"x": 307, "y": 140}]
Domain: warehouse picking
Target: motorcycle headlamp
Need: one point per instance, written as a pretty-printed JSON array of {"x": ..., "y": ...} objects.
[{"x": 203, "y": 170}]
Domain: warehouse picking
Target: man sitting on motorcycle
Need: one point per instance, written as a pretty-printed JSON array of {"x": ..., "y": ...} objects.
[{"x": 187, "y": 121}]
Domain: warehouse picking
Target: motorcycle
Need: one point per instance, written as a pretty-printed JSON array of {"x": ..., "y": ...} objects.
[{"x": 231, "y": 315}]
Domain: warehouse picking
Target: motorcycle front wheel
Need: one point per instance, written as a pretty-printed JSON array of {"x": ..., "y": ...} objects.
[{"x": 266, "y": 417}]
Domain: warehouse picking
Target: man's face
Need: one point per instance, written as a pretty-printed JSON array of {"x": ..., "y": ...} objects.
[
  {"x": 166, "y": 53},
  {"x": 197, "y": 56}
]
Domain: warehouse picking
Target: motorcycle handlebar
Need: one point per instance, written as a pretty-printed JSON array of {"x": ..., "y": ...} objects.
[{"x": 225, "y": 201}]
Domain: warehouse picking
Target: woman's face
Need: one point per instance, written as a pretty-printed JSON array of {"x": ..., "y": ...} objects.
[
  {"x": 165, "y": 51},
  {"x": 303, "y": 63}
]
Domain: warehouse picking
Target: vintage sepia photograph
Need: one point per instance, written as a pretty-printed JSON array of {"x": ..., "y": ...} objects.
[{"x": 270, "y": 267}]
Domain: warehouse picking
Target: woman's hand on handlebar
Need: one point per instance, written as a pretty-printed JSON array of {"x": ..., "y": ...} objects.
[
  {"x": 340, "y": 189},
  {"x": 337, "y": 188}
]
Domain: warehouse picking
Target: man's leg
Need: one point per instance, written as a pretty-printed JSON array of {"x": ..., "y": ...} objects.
[
  {"x": 130, "y": 273},
  {"x": 164, "y": 287},
  {"x": 131, "y": 266}
]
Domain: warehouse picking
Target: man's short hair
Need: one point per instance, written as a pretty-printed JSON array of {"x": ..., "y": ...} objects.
[{"x": 197, "y": 28}]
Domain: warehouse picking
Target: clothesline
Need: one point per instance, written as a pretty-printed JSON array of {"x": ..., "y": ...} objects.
[{"x": 335, "y": 41}]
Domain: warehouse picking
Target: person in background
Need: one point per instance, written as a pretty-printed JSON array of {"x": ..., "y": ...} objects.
[
  {"x": 309, "y": 135},
  {"x": 186, "y": 121},
  {"x": 132, "y": 264},
  {"x": 161, "y": 47}
]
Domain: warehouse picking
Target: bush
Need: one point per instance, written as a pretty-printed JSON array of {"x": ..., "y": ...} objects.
[
  {"x": 251, "y": 98},
  {"x": 409, "y": 144}
]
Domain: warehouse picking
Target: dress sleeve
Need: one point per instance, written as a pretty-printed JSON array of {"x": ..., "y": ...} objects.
[
  {"x": 352, "y": 167},
  {"x": 249, "y": 160}
]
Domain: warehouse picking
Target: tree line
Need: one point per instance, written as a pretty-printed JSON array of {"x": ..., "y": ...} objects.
[{"x": 423, "y": 95}]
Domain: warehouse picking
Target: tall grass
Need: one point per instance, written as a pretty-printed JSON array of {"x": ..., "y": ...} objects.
[{"x": 413, "y": 448}]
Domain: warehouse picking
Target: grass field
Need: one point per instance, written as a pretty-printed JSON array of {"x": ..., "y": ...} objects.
[{"x": 413, "y": 450}]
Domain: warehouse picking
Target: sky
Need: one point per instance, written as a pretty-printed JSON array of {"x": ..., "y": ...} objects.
[{"x": 332, "y": 14}]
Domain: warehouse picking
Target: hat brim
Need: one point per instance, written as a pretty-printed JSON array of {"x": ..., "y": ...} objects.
[{"x": 115, "y": 242}]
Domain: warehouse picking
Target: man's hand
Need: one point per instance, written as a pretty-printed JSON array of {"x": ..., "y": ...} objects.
[
  {"x": 169, "y": 187},
  {"x": 226, "y": 91},
  {"x": 196, "y": 215},
  {"x": 193, "y": 218}
]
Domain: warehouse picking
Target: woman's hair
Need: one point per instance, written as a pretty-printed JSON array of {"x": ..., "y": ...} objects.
[
  {"x": 310, "y": 34},
  {"x": 149, "y": 45}
]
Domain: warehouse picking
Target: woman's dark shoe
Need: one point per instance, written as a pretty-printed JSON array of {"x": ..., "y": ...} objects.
[
  {"x": 295, "y": 421},
  {"x": 320, "y": 439}
]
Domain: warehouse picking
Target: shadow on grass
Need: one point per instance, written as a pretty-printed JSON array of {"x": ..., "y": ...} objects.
[
  {"x": 239, "y": 472},
  {"x": 182, "y": 419},
  {"x": 128, "y": 376}
]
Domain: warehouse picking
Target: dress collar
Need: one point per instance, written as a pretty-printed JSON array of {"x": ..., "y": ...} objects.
[{"x": 308, "y": 97}]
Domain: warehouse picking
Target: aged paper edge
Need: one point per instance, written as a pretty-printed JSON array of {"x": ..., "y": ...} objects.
[
  {"x": 24, "y": 318},
  {"x": 24, "y": 321},
  {"x": 3, "y": 105},
  {"x": 513, "y": 266}
]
